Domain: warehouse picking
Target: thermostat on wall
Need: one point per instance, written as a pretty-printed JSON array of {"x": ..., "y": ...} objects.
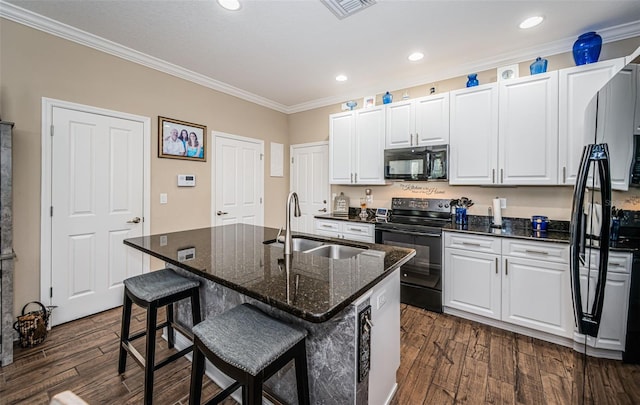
[{"x": 186, "y": 180}]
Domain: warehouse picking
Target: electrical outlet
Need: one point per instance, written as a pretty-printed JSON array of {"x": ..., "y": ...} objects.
[
  {"x": 163, "y": 198},
  {"x": 503, "y": 203},
  {"x": 163, "y": 240}
]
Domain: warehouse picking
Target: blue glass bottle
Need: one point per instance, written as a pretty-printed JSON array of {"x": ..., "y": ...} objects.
[
  {"x": 587, "y": 48},
  {"x": 473, "y": 80},
  {"x": 387, "y": 98},
  {"x": 539, "y": 66}
]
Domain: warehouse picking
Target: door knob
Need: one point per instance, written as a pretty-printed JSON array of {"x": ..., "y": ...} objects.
[
  {"x": 221, "y": 213},
  {"x": 135, "y": 220},
  {"x": 323, "y": 210}
]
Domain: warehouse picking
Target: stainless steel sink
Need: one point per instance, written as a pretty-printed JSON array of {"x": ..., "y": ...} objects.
[
  {"x": 299, "y": 244},
  {"x": 336, "y": 251},
  {"x": 320, "y": 248}
]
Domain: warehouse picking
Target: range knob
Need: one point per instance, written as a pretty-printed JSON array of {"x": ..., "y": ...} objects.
[
  {"x": 446, "y": 205},
  {"x": 440, "y": 205}
]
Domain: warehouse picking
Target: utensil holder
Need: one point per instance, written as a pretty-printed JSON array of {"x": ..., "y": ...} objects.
[{"x": 461, "y": 216}]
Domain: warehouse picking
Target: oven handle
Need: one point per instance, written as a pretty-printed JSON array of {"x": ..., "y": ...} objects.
[{"x": 403, "y": 232}]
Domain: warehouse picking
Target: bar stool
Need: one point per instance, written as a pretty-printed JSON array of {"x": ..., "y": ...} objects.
[
  {"x": 249, "y": 347},
  {"x": 152, "y": 291}
]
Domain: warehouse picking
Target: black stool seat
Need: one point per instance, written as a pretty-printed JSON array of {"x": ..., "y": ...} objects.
[
  {"x": 152, "y": 291},
  {"x": 250, "y": 347}
]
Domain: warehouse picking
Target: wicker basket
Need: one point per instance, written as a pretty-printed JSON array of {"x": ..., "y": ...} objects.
[{"x": 32, "y": 326}]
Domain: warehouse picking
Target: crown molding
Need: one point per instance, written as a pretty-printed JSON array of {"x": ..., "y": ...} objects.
[
  {"x": 56, "y": 28},
  {"x": 50, "y": 26}
]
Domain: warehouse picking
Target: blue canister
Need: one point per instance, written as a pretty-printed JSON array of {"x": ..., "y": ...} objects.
[
  {"x": 539, "y": 66},
  {"x": 387, "y": 98},
  {"x": 539, "y": 223},
  {"x": 615, "y": 229}
]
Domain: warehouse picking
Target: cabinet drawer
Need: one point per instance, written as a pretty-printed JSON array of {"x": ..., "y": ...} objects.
[
  {"x": 327, "y": 225},
  {"x": 619, "y": 262},
  {"x": 552, "y": 252},
  {"x": 471, "y": 242},
  {"x": 358, "y": 229}
]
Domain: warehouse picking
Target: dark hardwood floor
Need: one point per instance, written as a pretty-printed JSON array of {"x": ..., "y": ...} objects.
[{"x": 444, "y": 360}]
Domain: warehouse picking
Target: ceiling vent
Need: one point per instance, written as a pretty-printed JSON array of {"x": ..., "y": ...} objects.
[{"x": 345, "y": 8}]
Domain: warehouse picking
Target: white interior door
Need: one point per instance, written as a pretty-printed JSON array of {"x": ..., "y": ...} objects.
[
  {"x": 97, "y": 200},
  {"x": 309, "y": 178},
  {"x": 239, "y": 180}
]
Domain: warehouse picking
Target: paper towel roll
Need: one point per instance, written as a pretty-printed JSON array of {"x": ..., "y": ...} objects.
[{"x": 497, "y": 214}]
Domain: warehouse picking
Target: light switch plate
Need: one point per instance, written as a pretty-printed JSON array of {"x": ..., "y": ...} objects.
[{"x": 163, "y": 198}]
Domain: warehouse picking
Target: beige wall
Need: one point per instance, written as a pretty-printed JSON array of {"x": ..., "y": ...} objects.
[
  {"x": 35, "y": 65},
  {"x": 554, "y": 202}
]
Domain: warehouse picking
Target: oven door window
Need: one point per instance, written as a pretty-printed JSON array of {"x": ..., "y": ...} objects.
[{"x": 425, "y": 268}]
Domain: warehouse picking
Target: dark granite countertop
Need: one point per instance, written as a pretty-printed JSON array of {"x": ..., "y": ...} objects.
[
  {"x": 354, "y": 216},
  {"x": 315, "y": 288},
  {"x": 520, "y": 228}
]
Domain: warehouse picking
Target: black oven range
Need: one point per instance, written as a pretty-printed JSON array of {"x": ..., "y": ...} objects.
[{"x": 417, "y": 223}]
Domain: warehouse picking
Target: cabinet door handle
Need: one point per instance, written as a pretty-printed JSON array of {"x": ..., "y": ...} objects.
[
  {"x": 496, "y": 265},
  {"x": 326, "y": 226},
  {"x": 356, "y": 177},
  {"x": 410, "y": 139},
  {"x": 493, "y": 175},
  {"x": 501, "y": 176},
  {"x": 615, "y": 264},
  {"x": 416, "y": 139},
  {"x": 564, "y": 174},
  {"x": 506, "y": 267},
  {"x": 471, "y": 244},
  {"x": 351, "y": 177},
  {"x": 355, "y": 229}
]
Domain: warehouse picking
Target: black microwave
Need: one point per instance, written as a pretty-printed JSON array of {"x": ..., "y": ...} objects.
[{"x": 425, "y": 163}]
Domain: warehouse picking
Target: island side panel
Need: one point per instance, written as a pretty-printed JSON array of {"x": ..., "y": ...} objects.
[{"x": 331, "y": 346}]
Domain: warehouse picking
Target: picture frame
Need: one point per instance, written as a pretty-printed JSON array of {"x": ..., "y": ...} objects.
[
  {"x": 369, "y": 101},
  {"x": 181, "y": 140}
]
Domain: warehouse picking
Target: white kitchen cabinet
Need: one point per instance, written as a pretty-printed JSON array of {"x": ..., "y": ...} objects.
[
  {"x": 528, "y": 130},
  {"x": 616, "y": 108},
  {"x": 522, "y": 282},
  {"x": 576, "y": 113},
  {"x": 420, "y": 122},
  {"x": 473, "y": 137},
  {"x": 356, "y": 147},
  {"x": 472, "y": 280},
  {"x": 613, "y": 327},
  {"x": 345, "y": 230},
  {"x": 537, "y": 294}
]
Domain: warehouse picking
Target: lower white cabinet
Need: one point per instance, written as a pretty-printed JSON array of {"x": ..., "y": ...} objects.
[
  {"x": 345, "y": 230},
  {"x": 526, "y": 283},
  {"x": 615, "y": 308}
]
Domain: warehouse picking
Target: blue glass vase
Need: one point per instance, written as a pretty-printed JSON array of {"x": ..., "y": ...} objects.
[
  {"x": 587, "y": 48},
  {"x": 387, "y": 98},
  {"x": 539, "y": 66},
  {"x": 473, "y": 80}
]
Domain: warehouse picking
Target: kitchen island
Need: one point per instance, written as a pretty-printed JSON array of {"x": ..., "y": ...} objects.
[{"x": 350, "y": 362}]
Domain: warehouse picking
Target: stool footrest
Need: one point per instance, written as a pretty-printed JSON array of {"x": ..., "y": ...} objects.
[
  {"x": 173, "y": 357},
  {"x": 142, "y": 333},
  {"x": 222, "y": 395}
]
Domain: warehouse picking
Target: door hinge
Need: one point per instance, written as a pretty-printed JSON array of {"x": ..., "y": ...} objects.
[
  {"x": 260, "y": 200},
  {"x": 261, "y": 155},
  {"x": 51, "y": 211},
  {"x": 291, "y": 160},
  {"x": 51, "y": 130},
  {"x": 50, "y": 292}
]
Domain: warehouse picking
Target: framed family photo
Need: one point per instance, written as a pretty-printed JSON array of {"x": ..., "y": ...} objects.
[{"x": 181, "y": 140}]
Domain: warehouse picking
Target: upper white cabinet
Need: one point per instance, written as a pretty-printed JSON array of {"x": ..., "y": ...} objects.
[
  {"x": 356, "y": 147},
  {"x": 616, "y": 105},
  {"x": 420, "y": 122},
  {"x": 578, "y": 86},
  {"x": 528, "y": 130},
  {"x": 473, "y": 138}
]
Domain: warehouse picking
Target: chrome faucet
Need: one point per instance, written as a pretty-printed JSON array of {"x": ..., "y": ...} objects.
[{"x": 288, "y": 241}]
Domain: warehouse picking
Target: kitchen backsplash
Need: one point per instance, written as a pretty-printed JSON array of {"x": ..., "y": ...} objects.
[{"x": 522, "y": 202}]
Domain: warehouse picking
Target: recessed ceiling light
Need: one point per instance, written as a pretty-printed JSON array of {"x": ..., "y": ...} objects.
[
  {"x": 341, "y": 78},
  {"x": 531, "y": 22},
  {"x": 232, "y": 5},
  {"x": 416, "y": 56}
]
